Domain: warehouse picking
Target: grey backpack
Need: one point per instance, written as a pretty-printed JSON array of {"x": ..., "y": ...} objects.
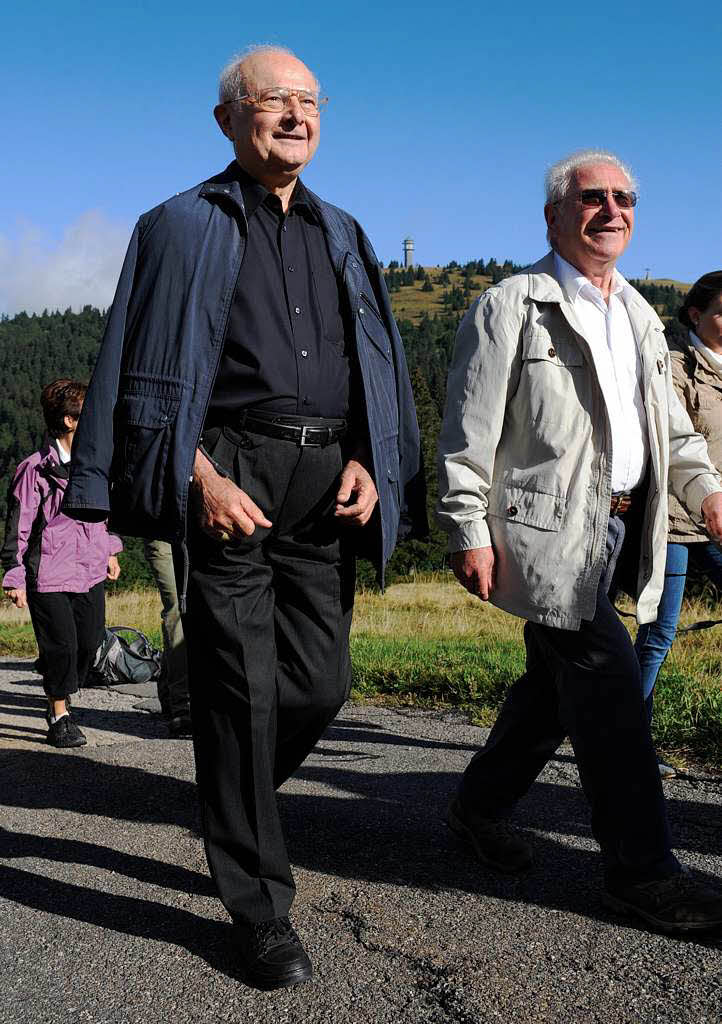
[{"x": 118, "y": 660}]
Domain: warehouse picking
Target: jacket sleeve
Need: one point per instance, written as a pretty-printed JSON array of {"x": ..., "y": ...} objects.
[
  {"x": 115, "y": 544},
  {"x": 692, "y": 475},
  {"x": 87, "y": 495},
  {"x": 483, "y": 375},
  {"x": 23, "y": 505},
  {"x": 412, "y": 482}
]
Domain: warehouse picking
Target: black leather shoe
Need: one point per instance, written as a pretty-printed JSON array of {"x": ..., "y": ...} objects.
[
  {"x": 272, "y": 955},
  {"x": 680, "y": 903},
  {"x": 495, "y": 843},
  {"x": 65, "y": 733}
]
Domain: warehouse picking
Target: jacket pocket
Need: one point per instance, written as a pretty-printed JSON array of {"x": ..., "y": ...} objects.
[
  {"x": 539, "y": 345},
  {"x": 374, "y": 327},
  {"x": 145, "y": 416},
  {"x": 531, "y": 507}
]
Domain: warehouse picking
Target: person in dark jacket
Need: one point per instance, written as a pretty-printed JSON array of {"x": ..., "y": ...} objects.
[
  {"x": 263, "y": 422},
  {"x": 55, "y": 565}
]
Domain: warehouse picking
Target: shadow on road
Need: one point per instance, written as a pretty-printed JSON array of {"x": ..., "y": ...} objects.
[{"x": 367, "y": 826}]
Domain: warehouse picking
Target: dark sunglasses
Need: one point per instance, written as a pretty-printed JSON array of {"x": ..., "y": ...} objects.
[{"x": 596, "y": 197}]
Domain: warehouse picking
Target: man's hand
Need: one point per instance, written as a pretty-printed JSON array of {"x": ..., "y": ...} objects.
[
  {"x": 712, "y": 512},
  {"x": 18, "y": 596},
  {"x": 113, "y": 568},
  {"x": 474, "y": 569},
  {"x": 356, "y": 479},
  {"x": 224, "y": 510}
]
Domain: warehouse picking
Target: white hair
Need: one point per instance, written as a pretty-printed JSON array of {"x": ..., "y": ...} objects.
[
  {"x": 233, "y": 82},
  {"x": 558, "y": 179}
]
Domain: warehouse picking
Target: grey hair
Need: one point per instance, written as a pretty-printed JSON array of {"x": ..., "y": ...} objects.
[
  {"x": 233, "y": 82},
  {"x": 558, "y": 179}
]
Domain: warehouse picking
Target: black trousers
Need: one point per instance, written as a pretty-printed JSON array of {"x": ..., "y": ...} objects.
[
  {"x": 68, "y": 629},
  {"x": 584, "y": 684},
  {"x": 267, "y": 628}
]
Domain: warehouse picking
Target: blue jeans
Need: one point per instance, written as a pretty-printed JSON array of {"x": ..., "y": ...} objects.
[{"x": 655, "y": 638}]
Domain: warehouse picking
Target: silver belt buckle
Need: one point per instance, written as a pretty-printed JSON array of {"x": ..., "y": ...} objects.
[{"x": 303, "y": 443}]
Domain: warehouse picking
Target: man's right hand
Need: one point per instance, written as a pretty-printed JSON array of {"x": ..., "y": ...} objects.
[
  {"x": 224, "y": 510},
  {"x": 474, "y": 569},
  {"x": 18, "y": 596}
]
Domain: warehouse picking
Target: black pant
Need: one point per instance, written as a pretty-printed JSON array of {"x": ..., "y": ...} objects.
[
  {"x": 267, "y": 630},
  {"x": 584, "y": 684},
  {"x": 68, "y": 629}
]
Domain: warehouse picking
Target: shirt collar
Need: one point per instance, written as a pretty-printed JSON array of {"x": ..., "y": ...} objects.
[
  {"x": 574, "y": 284},
  {"x": 254, "y": 193}
]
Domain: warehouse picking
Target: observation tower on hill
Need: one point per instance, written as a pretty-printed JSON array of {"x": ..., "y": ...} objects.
[{"x": 408, "y": 252}]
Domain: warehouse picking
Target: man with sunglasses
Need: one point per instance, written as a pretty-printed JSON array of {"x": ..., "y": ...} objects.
[
  {"x": 262, "y": 422},
  {"x": 561, "y": 430}
]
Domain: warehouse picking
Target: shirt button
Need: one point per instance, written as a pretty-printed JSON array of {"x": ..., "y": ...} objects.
[
  {"x": 297, "y": 309},
  {"x": 291, "y": 268},
  {"x": 551, "y": 353},
  {"x": 512, "y": 510},
  {"x": 285, "y": 228},
  {"x": 361, "y": 310},
  {"x": 306, "y": 400},
  {"x": 304, "y": 353}
]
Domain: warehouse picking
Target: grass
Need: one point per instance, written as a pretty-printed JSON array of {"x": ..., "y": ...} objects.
[{"x": 429, "y": 644}]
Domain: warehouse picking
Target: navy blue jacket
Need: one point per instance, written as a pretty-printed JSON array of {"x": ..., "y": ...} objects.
[{"x": 142, "y": 417}]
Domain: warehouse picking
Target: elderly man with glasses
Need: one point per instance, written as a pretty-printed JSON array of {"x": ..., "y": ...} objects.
[
  {"x": 561, "y": 431},
  {"x": 251, "y": 404}
]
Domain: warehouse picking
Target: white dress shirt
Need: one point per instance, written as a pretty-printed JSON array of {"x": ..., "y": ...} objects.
[{"x": 608, "y": 331}]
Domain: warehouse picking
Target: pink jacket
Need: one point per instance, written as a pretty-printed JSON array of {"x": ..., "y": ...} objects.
[{"x": 44, "y": 549}]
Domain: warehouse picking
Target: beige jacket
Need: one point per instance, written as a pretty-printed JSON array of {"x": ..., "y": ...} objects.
[
  {"x": 525, "y": 450},
  {"x": 699, "y": 387}
]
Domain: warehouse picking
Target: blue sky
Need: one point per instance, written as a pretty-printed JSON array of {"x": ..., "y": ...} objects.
[{"x": 441, "y": 122}]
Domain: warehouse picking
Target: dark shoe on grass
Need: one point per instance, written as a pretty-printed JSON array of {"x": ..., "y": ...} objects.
[
  {"x": 496, "y": 843},
  {"x": 272, "y": 955},
  {"x": 680, "y": 903},
  {"x": 65, "y": 733}
]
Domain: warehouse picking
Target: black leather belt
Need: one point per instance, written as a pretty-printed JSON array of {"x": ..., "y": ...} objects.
[{"x": 288, "y": 428}]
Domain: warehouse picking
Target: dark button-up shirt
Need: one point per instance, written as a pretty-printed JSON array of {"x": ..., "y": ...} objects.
[{"x": 286, "y": 348}]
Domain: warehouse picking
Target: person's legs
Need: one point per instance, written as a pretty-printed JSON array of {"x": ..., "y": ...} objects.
[
  {"x": 173, "y": 684},
  {"x": 601, "y": 708},
  {"x": 654, "y": 639},
  {"x": 266, "y": 630},
  {"x": 89, "y": 616},
  {"x": 54, "y": 627},
  {"x": 525, "y": 735},
  {"x": 56, "y": 636}
]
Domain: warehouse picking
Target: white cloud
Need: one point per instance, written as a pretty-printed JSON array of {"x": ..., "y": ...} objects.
[{"x": 80, "y": 269}]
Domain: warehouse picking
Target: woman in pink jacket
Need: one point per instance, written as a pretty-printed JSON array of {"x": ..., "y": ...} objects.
[{"x": 57, "y": 566}]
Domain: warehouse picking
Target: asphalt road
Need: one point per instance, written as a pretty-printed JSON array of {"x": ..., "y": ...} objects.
[{"x": 108, "y": 917}]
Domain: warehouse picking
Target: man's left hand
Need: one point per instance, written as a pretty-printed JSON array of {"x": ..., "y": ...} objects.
[
  {"x": 712, "y": 512},
  {"x": 113, "y": 568},
  {"x": 356, "y": 480}
]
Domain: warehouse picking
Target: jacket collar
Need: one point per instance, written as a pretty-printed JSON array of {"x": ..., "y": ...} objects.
[
  {"x": 225, "y": 186},
  {"x": 544, "y": 287}
]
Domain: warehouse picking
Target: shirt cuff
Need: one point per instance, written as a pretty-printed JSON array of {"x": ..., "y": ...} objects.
[{"x": 470, "y": 535}]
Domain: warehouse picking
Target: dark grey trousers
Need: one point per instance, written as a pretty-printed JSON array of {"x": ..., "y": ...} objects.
[
  {"x": 267, "y": 629},
  {"x": 585, "y": 684}
]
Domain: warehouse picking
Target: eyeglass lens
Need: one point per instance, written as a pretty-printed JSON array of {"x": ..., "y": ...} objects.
[{"x": 598, "y": 197}]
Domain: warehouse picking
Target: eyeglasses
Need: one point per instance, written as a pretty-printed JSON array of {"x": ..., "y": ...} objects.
[
  {"x": 597, "y": 197},
  {"x": 275, "y": 100}
]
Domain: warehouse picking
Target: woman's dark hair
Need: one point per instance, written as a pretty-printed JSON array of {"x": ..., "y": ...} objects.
[
  {"x": 700, "y": 295},
  {"x": 60, "y": 399}
]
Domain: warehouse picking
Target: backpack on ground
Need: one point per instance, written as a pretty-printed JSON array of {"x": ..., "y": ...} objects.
[{"x": 118, "y": 660}]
